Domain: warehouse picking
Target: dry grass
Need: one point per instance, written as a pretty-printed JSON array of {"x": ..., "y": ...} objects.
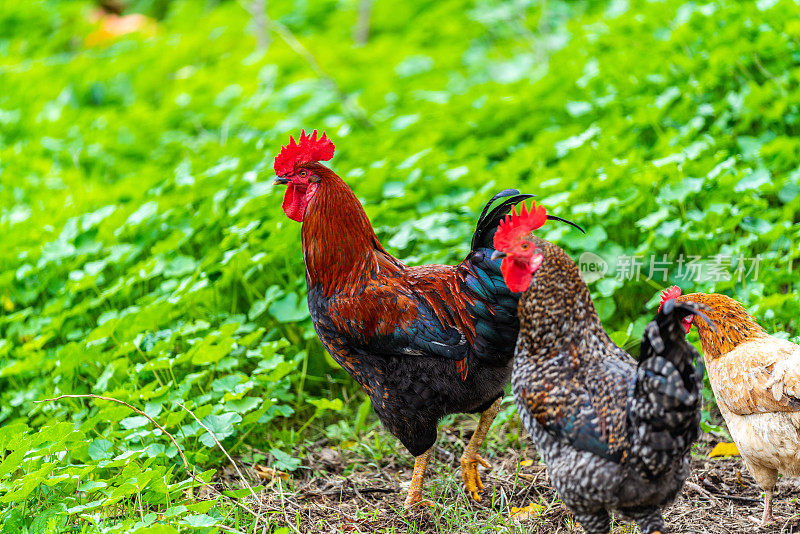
[{"x": 720, "y": 497}]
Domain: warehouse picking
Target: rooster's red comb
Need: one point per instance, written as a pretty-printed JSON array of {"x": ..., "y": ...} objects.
[
  {"x": 307, "y": 150},
  {"x": 669, "y": 293},
  {"x": 515, "y": 227}
]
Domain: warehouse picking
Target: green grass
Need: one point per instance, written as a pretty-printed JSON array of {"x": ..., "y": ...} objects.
[{"x": 145, "y": 255}]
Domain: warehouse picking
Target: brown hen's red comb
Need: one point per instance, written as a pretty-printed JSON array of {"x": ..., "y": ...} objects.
[
  {"x": 515, "y": 227},
  {"x": 669, "y": 293},
  {"x": 307, "y": 150}
]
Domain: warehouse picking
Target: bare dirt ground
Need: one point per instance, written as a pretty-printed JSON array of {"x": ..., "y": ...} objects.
[{"x": 719, "y": 497}]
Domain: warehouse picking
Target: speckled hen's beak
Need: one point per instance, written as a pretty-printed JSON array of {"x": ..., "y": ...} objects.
[{"x": 497, "y": 254}]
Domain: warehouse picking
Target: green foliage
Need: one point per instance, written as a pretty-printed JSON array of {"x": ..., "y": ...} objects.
[{"x": 146, "y": 257}]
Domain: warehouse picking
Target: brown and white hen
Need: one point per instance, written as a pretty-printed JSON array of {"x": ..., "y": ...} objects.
[{"x": 756, "y": 380}]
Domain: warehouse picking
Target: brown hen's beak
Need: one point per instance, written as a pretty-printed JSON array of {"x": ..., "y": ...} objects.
[
  {"x": 703, "y": 316},
  {"x": 281, "y": 181},
  {"x": 497, "y": 254}
]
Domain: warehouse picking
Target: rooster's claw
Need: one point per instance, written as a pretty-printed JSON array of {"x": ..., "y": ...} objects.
[
  {"x": 415, "y": 499},
  {"x": 469, "y": 472}
]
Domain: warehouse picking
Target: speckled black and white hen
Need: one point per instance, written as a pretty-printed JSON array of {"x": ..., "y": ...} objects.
[{"x": 615, "y": 435}]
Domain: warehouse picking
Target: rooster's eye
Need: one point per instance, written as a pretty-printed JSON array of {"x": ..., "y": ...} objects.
[
  {"x": 303, "y": 173},
  {"x": 524, "y": 246}
]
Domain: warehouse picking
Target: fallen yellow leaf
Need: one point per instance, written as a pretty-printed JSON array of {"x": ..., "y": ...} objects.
[
  {"x": 112, "y": 26},
  {"x": 724, "y": 449},
  {"x": 526, "y": 463},
  {"x": 268, "y": 473},
  {"x": 532, "y": 510}
]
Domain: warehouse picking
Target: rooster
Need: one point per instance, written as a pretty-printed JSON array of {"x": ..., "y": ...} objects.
[
  {"x": 614, "y": 435},
  {"x": 756, "y": 380},
  {"x": 422, "y": 341}
]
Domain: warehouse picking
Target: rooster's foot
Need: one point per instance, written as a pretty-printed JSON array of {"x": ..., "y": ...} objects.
[
  {"x": 415, "y": 500},
  {"x": 469, "y": 472},
  {"x": 415, "y": 490}
]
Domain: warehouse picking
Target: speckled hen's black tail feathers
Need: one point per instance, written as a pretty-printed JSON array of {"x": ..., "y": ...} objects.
[{"x": 665, "y": 405}]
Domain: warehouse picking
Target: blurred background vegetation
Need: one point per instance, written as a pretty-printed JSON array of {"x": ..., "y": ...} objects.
[{"x": 145, "y": 255}]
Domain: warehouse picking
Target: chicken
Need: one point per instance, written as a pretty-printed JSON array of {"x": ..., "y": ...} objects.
[
  {"x": 423, "y": 341},
  {"x": 756, "y": 380},
  {"x": 614, "y": 435}
]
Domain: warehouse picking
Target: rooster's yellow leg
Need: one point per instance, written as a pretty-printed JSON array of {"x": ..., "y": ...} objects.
[
  {"x": 415, "y": 491},
  {"x": 470, "y": 459}
]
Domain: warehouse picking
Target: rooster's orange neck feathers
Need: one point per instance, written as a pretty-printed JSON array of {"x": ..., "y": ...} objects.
[
  {"x": 339, "y": 244},
  {"x": 734, "y": 324}
]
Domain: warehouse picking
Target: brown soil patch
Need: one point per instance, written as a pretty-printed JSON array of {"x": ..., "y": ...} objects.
[{"x": 720, "y": 497}]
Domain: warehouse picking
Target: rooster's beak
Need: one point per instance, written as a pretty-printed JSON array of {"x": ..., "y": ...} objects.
[
  {"x": 497, "y": 254},
  {"x": 281, "y": 181}
]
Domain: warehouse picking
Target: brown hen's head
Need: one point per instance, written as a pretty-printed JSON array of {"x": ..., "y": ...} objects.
[
  {"x": 297, "y": 166},
  {"x": 733, "y": 324},
  {"x": 521, "y": 257}
]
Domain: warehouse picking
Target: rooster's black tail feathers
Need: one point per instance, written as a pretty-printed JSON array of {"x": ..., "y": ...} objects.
[{"x": 489, "y": 220}]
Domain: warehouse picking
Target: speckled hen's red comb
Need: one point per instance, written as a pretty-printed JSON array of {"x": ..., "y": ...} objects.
[
  {"x": 669, "y": 293},
  {"x": 514, "y": 226},
  {"x": 307, "y": 150}
]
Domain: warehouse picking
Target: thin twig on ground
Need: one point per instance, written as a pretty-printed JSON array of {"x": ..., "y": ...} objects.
[
  {"x": 199, "y": 422},
  {"x": 262, "y": 17},
  {"x": 162, "y": 429},
  {"x": 700, "y": 490},
  {"x": 283, "y": 507},
  {"x": 295, "y": 44},
  {"x": 346, "y": 491},
  {"x": 258, "y": 10},
  {"x": 361, "y": 30}
]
